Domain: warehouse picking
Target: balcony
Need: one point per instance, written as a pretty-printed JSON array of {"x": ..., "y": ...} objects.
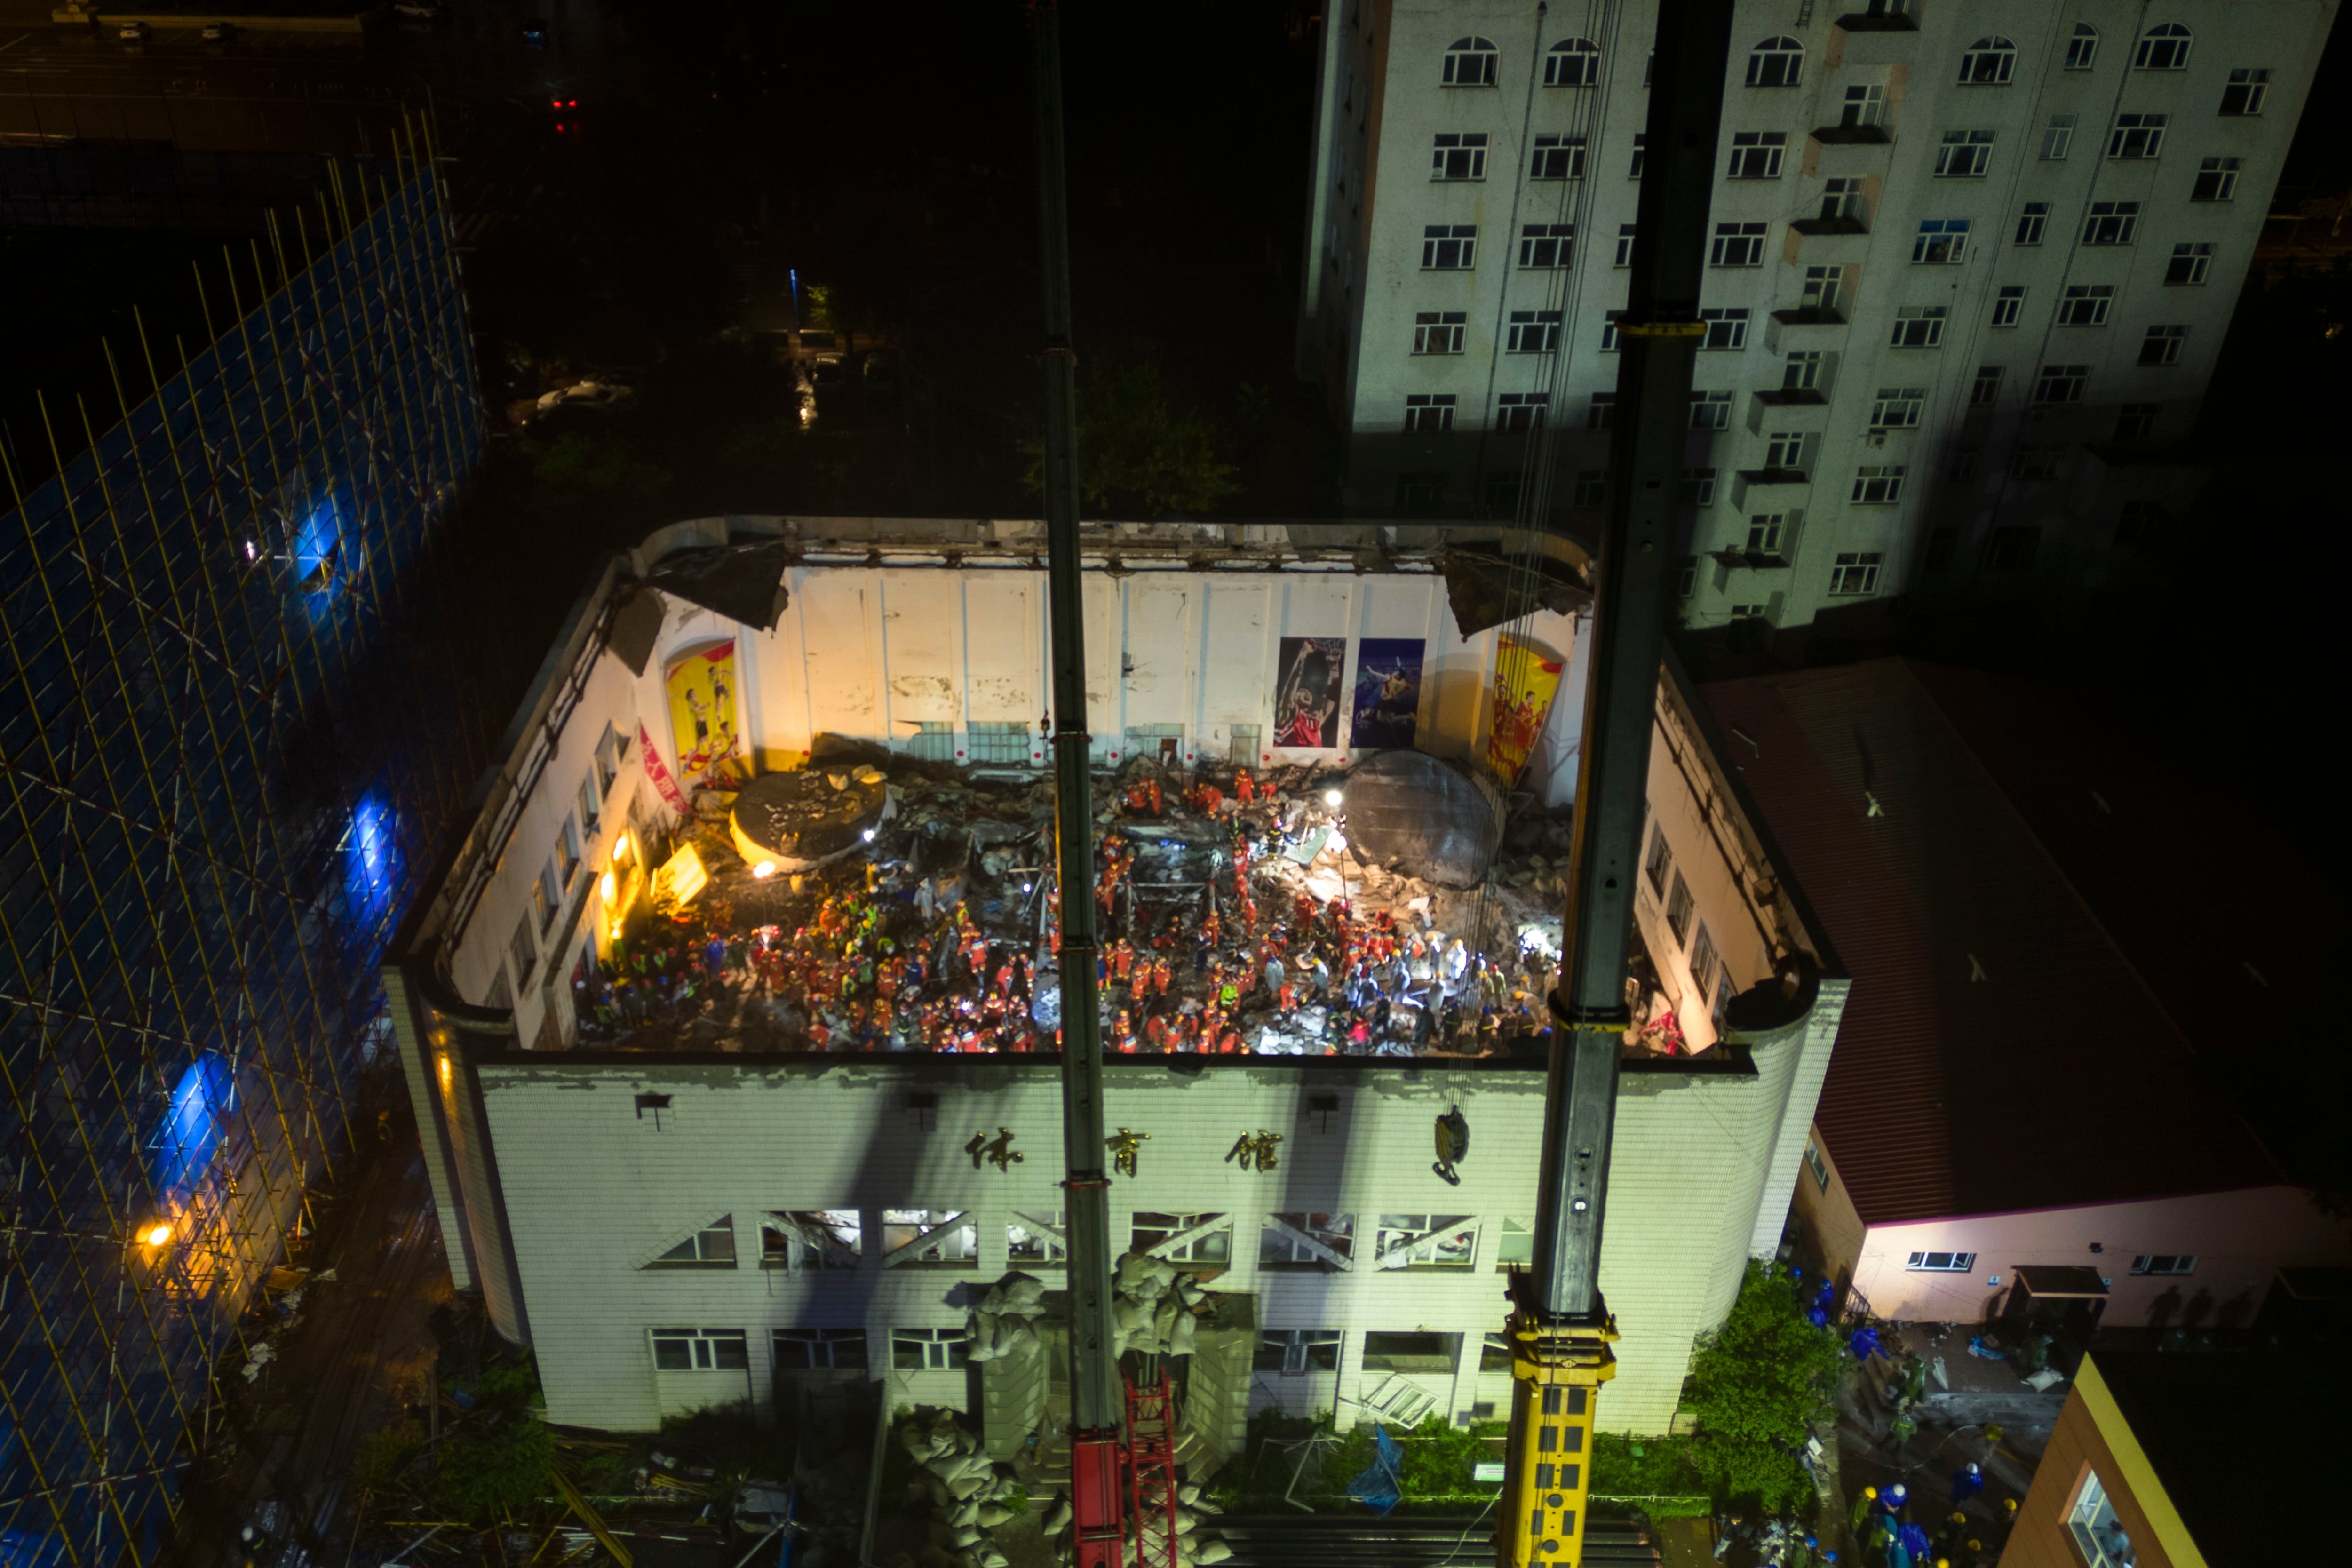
[
  {"x": 1791, "y": 396},
  {"x": 1853, "y": 135},
  {"x": 1753, "y": 477},
  {"x": 1876, "y": 20},
  {"x": 1752, "y": 559},
  {"x": 1809, "y": 316},
  {"x": 1816, "y": 226}
]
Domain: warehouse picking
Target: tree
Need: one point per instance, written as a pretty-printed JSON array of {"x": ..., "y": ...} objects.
[
  {"x": 1757, "y": 1385},
  {"x": 579, "y": 471},
  {"x": 1136, "y": 444}
]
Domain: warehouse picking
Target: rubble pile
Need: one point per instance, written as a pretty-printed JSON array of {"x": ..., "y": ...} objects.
[{"x": 964, "y": 1488}]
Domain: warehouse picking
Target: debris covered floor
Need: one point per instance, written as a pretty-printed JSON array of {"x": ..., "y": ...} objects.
[{"x": 1233, "y": 915}]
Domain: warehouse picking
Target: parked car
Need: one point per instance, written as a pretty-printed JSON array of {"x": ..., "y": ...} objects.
[
  {"x": 596, "y": 396},
  {"x": 826, "y": 374},
  {"x": 219, "y": 32},
  {"x": 133, "y": 32}
]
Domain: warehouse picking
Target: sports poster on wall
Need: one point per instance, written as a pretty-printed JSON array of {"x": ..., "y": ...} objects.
[
  {"x": 1388, "y": 693},
  {"x": 701, "y": 685},
  {"x": 1526, "y": 674},
  {"x": 1306, "y": 693}
]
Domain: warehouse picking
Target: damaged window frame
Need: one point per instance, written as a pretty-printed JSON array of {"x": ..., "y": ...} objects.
[
  {"x": 711, "y": 1245},
  {"x": 815, "y": 1240},
  {"x": 1409, "y": 1241},
  {"x": 929, "y": 1238},
  {"x": 1304, "y": 1241}
]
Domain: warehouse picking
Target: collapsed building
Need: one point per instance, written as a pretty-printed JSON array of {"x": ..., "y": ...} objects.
[{"x": 814, "y": 744}]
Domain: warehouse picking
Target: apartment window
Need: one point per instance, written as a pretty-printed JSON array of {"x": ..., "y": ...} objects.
[
  {"x": 1686, "y": 577},
  {"x": 2082, "y": 47},
  {"x": 1988, "y": 62},
  {"x": 1198, "y": 1239},
  {"x": 1739, "y": 245},
  {"x": 2061, "y": 382},
  {"x": 1855, "y": 573},
  {"x": 2162, "y": 345},
  {"x": 1416, "y": 1350},
  {"x": 1897, "y": 407},
  {"x": 2163, "y": 48},
  {"x": 930, "y": 1350},
  {"x": 2189, "y": 264},
  {"x": 524, "y": 950},
  {"x": 2098, "y": 1534},
  {"x": 1940, "y": 242},
  {"x": 1556, "y": 158},
  {"x": 811, "y": 1239},
  {"x": 1823, "y": 286},
  {"x": 1919, "y": 326},
  {"x": 1725, "y": 329},
  {"x": 1420, "y": 490},
  {"x": 1986, "y": 390},
  {"x": 1624, "y": 245},
  {"x": 712, "y": 1246},
  {"x": 2217, "y": 180},
  {"x": 1469, "y": 63},
  {"x": 1964, "y": 155},
  {"x": 2164, "y": 1263},
  {"x": 2057, "y": 138},
  {"x": 2143, "y": 524},
  {"x": 1785, "y": 450},
  {"x": 2245, "y": 92},
  {"x": 1521, "y": 410},
  {"x": 1458, "y": 155},
  {"x": 1641, "y": 146},
  {"x": 1547, "y": 245},
  {"x": 2085, "y": 304},
  {"x": 2135, "y": 422},
  {"x": 2111, "y": 222},
  {"x": 1295, "y": 1353},
  {"x": 1703, "y": 962},
  {"x": 1756, "y": 154},
  {"x": 2033, "y": 222},
  {"x": 1573, "y": 62},
  {"x": 592, "y": 802},
  {"x": 1776, "y": 62},
  {"x": 1592, "y": 487},
  {"x": 1802, "y": 371},
  {"x": 702, "y": 1350},
  {"x": 1842, "y": 201},
  {"x": 1428, "y": 411},
  {"x": 1679, "y": 905},
  {"x": 1877, "y": 484},
  {"x": 1865, "y": 104},
  {"x": 546, "y": 897},
  {"x": 2036, "y": 460},
  {"x": 1601, "y": 413},
  {"x": 1698, "y": 487},
  {"x": 1532, "y": 332},
  {"x": 2007, "y": 304},
  {"x": 1942, "y": 1262},
  {"x": 1515, "y": 1248},
  {"x": 941, "y": 1237},
  {"x": 1817, "y": 1167},
  {"x": 1659, "y": 864},
  {"x": 1449, "y": 247},
  {"x": 1306, "y": 1240},
  {"x": 2012, "y": 549},
  {"x": 2137, "y": 136},
  {"x": 820, "y": 1350},
  {"x": 1710, "y": 411},
  {"x": 1426, "y": 1241},
  {"x": 1439, "y": 331},
  {"x": 567, "y": 852},
  {"x": 1609, "y": 320},
  {"x": 1766, "y": 533},
  {"x": 609, "y": 752}
]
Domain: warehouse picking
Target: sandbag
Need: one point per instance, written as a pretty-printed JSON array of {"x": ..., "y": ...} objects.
[{"x": 1211, "y": 1549}]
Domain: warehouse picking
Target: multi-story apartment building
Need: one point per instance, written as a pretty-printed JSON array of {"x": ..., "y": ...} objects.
[{"x": 1969, "y": 268}]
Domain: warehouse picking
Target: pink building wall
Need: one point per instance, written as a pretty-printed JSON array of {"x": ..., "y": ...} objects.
[{"x": 2240, "y": 1240}]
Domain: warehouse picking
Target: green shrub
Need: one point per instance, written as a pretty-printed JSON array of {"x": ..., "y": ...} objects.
[
  {"x": 1758, "y": 1386},
  {"x": 385, "y": 1454}
]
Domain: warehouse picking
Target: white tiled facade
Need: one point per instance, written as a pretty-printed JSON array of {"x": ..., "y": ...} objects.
[{"x": 1995, "y": 470}]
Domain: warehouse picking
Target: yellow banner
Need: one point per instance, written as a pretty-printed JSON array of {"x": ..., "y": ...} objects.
[
  {"x": 701, "y": 689},
  {"x": 1526, "y": 674}
]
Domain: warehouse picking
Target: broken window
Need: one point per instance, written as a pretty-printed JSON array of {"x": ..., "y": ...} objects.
[
  {"x": 1306, "y": 1241},
  {"x": 1661, "y": 861},
  {"x": 711, "y": 1247},
  {"x": 1036, "y": 1239},
  {"x": 810, "y": 1238},
  {"x": 1410, "y": 1352},
  {"x": 936, "y": 1237},
  {"x": 702, "y": 1350},
  {"x": 1518, "y": 1249},
  {"x": 820, "y": 1350},
  {"x": 1427, "y": 1241},
  {"x": 1204, "y": 1240},
  {"x": 1295, "y": 1353},
  {"x": 1678, "y": 909},
  {"x": 927, "y": 1350}
]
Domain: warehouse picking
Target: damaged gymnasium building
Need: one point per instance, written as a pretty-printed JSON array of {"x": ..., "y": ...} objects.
[{"x": 731, "y": 1021}]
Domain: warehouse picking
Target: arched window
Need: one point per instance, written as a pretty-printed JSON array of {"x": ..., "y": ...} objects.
[
  {"x": 1470, "y": 63},
  {"x": 2082, "y": 48},
  {"x": 1573, "y": 62},
  {"x": 2163, "y": 48},
  {"x": 1776, "y": 62},
  {"x": 1988, "y": 62}
]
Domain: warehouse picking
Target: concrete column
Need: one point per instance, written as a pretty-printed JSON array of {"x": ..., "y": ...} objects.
[
  {"x": 1465, "y": 1374},
  {"x": 761, "y": 1343}
]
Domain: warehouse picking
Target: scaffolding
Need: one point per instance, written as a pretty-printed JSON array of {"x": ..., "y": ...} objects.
[{"x": 223, "y": 764}]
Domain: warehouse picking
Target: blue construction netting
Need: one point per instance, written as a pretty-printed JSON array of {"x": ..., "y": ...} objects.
[
  {"x": 1379, "y": 1486},
  {"x": 224, "y": 762}
]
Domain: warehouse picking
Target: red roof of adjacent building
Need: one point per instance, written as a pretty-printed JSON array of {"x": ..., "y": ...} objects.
[{"x": 2004, "y": 1046}]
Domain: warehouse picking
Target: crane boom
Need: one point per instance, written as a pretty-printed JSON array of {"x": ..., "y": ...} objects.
[{"x": 1559, "y": 1329}]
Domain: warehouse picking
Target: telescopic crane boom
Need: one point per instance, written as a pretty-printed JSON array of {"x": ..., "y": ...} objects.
[{"x": 1559, "y": 1329}]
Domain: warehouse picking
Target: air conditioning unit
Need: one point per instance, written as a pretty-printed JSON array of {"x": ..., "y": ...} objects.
[{"x": 1878, "y": 438}]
